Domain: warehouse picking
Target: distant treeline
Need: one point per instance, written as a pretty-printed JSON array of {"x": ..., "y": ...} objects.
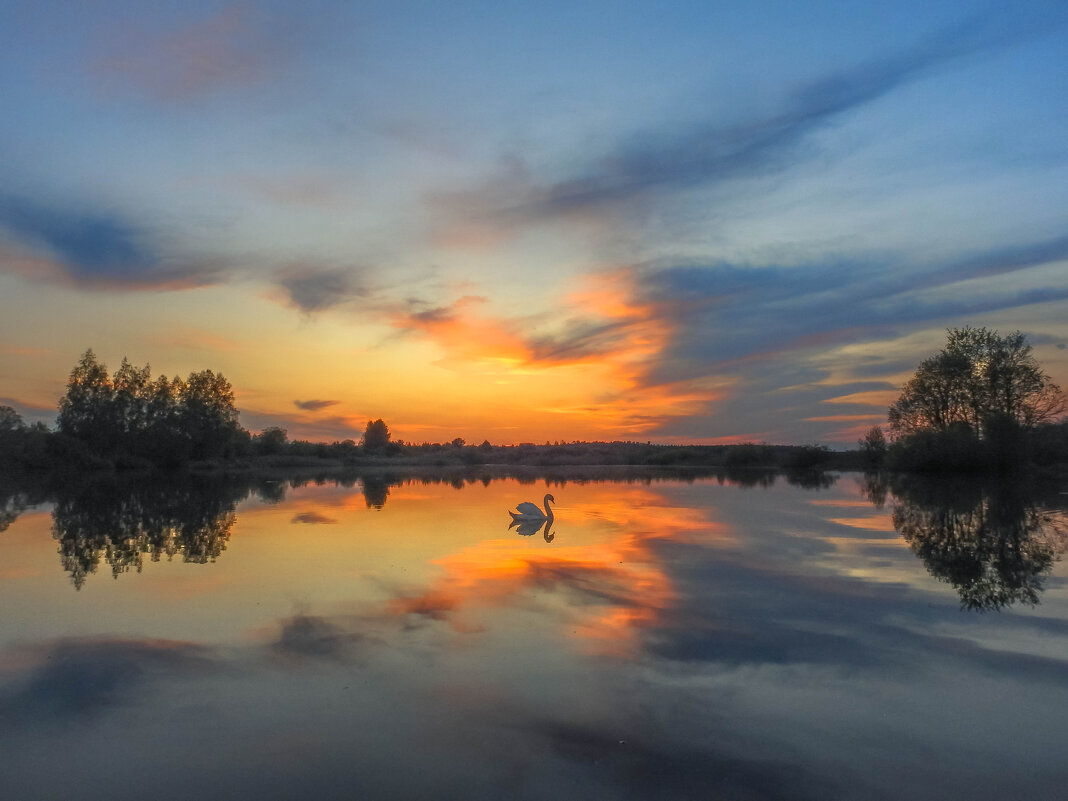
[
  {"x": 563, "y": 454},
  {"x": 981, "y": 404}
]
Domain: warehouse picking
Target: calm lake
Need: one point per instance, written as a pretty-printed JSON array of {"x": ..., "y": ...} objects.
[{"x": 667, "y": 637}]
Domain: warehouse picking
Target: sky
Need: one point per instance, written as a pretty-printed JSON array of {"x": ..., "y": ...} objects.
[{"x": 527, "y": 222}]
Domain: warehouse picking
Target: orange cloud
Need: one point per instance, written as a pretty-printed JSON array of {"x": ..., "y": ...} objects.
[
  {"x": 593, "y": 366},
  {"x": 467, "y": 335},
  {"x": 845, "y": 418},
  {"x": 876, "y": 397}
]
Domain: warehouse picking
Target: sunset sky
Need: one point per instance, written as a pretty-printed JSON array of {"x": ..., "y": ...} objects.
[{"x": 670, "y": 221}]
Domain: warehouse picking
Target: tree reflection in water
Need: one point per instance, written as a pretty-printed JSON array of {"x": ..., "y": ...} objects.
[
  {"x": 118, "y": 523},
  {"x": 993, "y": 541}
]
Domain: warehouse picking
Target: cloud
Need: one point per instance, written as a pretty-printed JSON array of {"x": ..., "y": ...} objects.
[
  {"x": 314, "y": 405},
  {"x": 771, "y": 341},
  {"x": 237, "y": 46},
  {"x": 310, "y": 288},
  {"x": 93, "y": 249},
  {"x": 684, "y": 350},
  {"x": 727, "y": 314},
  {"x": 601, "y": 327},
  {"x": 678, "y": 158}
]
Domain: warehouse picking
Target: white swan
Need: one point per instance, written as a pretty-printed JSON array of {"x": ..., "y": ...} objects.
[{"x": 528, "y": 511}]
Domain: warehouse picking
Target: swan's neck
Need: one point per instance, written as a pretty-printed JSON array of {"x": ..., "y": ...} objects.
[{"x": 548, "y": 511}]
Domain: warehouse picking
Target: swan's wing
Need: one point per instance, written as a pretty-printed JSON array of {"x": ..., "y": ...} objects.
[{"x": 527, "y": 508}]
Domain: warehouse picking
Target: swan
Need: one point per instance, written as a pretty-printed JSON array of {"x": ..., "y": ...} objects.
[{"x": 528, "y": 511}]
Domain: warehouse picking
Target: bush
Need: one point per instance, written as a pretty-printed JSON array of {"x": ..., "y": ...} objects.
[
  {"x": 806, "y": 457},
  {"x": 750, "y": 455},
  {"x": 955, "y": 448}
]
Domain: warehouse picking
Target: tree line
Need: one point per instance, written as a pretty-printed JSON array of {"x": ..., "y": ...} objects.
[
  {"x": 982, "y": 401},
  {"x": 131, "y": 419},
  {"x": 163, "y": 420}
]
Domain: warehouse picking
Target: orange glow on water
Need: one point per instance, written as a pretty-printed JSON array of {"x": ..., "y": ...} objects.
[{"x": 600, "y": 565}]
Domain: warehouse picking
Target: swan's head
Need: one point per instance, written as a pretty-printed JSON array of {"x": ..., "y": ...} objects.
[{"x": 549, "y": 498}]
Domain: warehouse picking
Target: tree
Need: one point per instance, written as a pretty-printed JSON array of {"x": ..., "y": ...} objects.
[
  {"x": 873, "y": 446},
  {"x": 375, "y": 436},
  {"x": 207, "y": 414},
  {"x": 131, "y": 389},
  {"x": 165, "y": 420},
  {"x": 10, "y": 420},
  {"x": 270, "y": 441},
  {"x": 85, "y": 411},
  {"x": 981, "y": 380}
]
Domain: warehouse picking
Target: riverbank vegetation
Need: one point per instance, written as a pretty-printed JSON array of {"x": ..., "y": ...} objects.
[{"x": 982, "y": 403}]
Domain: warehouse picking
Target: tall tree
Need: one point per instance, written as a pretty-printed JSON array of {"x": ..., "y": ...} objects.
[
  {"x": 980, "y": 379},
  {"x": 207, "y": 413},
  {"x": 375, "y": 436},
  {"x": 85, "y": 411}
]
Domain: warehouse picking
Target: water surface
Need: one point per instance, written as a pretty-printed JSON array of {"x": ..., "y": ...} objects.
[{"x": 749, "y": 637}]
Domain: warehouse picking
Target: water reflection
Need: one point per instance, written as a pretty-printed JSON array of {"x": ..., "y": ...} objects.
[
  {"x": 682, "y": 640},
  {"x": 12, "y": 505},
  {"x": 992, "y": 541},
  {"x": 528, "y": 528},
  {"x": 376, "y": 489},
  {"x": 117, "y": 523}
]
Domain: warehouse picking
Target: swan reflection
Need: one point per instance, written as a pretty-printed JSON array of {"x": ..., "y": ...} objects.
[{"x": 528, "y": 528}]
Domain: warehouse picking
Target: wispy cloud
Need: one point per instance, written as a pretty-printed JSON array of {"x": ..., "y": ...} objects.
[
  {"x": 237, "y": 46},
  {"x": 93, "y": 249},
  {"x": 679, "y": 157}
]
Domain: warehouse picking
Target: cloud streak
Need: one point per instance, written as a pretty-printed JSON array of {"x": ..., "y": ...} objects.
[
  {"x": 708, "y": 152},
  {"x": 91, "y": 249}
]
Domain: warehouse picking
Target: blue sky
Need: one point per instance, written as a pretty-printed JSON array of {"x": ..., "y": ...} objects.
[{"x": 517, "y": 221}]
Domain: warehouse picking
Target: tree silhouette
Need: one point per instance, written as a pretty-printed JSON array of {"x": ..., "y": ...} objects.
[
  {"x": 873, "y": 446},
  {"x": 85, "y": 410},
  {"x": 979, "y": 379},
  {"x": 376, "y": 436},
  {"x": 164, "y": 420}
]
